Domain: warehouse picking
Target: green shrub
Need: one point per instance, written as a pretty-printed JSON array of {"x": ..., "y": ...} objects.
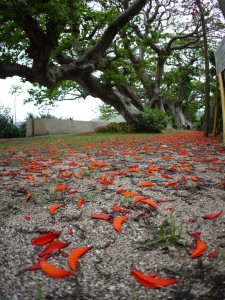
[
  {"x": 7, "y": 128},
  {"x": 151, "y": 120},
  {"x": 116, "y": 128},
  {"x": 22, "y": 129}
]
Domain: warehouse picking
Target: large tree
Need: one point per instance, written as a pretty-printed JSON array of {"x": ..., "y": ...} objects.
[
  {"x": 48, "y": 42},
  {"x": 115, "y": 50}
]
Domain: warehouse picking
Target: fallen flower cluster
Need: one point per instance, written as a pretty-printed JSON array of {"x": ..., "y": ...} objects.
[{"x": 113, "y": 194}]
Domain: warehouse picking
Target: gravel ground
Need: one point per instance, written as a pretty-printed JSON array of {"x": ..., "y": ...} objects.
[{"x": 187, "y": 172}]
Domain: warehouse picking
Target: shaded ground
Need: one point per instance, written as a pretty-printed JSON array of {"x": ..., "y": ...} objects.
[{"x": 184, "y": 170}]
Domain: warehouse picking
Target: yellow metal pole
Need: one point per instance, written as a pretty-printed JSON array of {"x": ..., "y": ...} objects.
[
  {"x": 216, "y": 108},
  {"x": 222, "y": 93}
]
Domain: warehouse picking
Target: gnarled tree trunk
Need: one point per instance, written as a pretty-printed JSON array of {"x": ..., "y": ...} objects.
[
  {"x": 122, "y": 98},
  {"x": 180, "y": 120}
]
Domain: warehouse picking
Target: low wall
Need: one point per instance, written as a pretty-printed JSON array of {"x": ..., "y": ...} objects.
[{"x": 37, "y": 127}]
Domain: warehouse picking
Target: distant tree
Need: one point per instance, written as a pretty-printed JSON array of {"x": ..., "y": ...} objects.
[
  {"x": 107, "y": 112},
  {"x": 15, "y": 90}
]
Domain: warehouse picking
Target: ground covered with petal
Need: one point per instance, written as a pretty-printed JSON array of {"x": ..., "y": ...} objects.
[{"x": 113, "y": 217}]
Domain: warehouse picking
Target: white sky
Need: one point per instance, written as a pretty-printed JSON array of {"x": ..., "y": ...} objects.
[{"x": 78, "y": 110}]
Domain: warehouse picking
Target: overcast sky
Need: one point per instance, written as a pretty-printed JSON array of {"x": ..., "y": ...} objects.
[{"x": 83, "y": 110}]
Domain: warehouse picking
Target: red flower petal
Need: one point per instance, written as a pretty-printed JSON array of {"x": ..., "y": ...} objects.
[
  {"x": 45, "y": 238},
  {"x": 211, "y": 216},
  {"x": 52, "y": 271}
]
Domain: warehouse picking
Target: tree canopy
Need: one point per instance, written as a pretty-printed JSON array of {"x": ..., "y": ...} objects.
[{"x": 130, "y": 54}]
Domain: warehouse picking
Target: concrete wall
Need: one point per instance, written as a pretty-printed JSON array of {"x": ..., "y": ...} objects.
[{"x": 38, "y": 127}]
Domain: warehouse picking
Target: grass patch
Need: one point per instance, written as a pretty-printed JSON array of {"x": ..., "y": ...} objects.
[
  {"x": 38, "y": 289},
  {"x": 126, "y": 201},
  {"x": 170, "y": 233},
  {"x": 13, "y": 209}
]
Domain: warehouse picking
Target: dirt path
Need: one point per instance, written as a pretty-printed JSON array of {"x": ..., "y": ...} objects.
[{"x": 182, "y": 174}]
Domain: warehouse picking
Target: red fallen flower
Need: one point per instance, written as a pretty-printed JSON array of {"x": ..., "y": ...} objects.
[
  {"x": 120, "y": 209},
  {"x": 120, "y": 191},
  {"x": 222, "y": 183},
  {"x": 200, "y": 248},
  {"x": 212, "y": 255},
  {"x": 142, "y": 214},
  {"x": 184, "y": 178},
  {"x": 171, "y": 183},
  {"x": 45, "y": 238},
  {"x": 118, "y": 222},
  {"x": 152, "y": 282},
  {"x": 169, "y": 208},
  {"x": 149, "y": 202},
  {"x": 27, "y": 218},
  {"x": 70, "y": 231},
  {"x": 165, "y": 200},
  {"x": 166, "y": 176},
  {"x": 35, "y": 266},
  {"x": 149, "y": 174},
  {"x": 133, "y": 170},
  {"x": 80, "y": 201},
  {"x": 28, "y": 196},
  {"x": 139, "y": 198},
  {"x": 53, "y": 246},
  {"x": 211, "y": 216},
  {"x": 145, "y": 183},
  {"x": 72, "y": 191},
  {"x": 190, "y": 220},
  {"x": 195, "y": 234},
  {"x": 75, "y": 254},
  {"x": 53, "y": 208},
  {"x": 100, "y": 216},
  {"x": 60, "y": 187},
  {"x": 129, "y": 194},
  {"x": 153, "y": 168},
  {"x": 52, "y": 271}
]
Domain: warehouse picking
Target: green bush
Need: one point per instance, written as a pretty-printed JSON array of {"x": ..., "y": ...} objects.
[
  {"x": 151, "y": 120},
  {"x": 22, "y": 129},
  {"x": 116, "y": 128},
  {"x": 7, "y": 128}
]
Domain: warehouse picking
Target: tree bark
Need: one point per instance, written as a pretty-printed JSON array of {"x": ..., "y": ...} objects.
[
  {"x": 122, "y": 99},
  {"x": 180, "y": 120},
  {"x": 207, "y": 75}
]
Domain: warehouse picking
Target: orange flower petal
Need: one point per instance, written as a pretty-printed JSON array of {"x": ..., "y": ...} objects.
[
  {"x": 100, "y": 216},
  {"x": 152, "y": 282},
  {"x": 118, "y": 222},
  {"x": 52, "y": 271},
  {"x": 129, "y": 194},
  {"x": 166, "y": 176},
  {"x": 80, "y": 202},
  {"x": 70, "y": 192},
  {"x": 28, "y": 196},
  {"x": 153, "y": 168},
  {"x": 200, "y": 248},
  {"x": 211, "y": 216},
  {"x": 75, "y": 254},
  {"x": 139, "y": 198},
  {"x": 55, "y": 245},
  {"x": 120, "y": 209},
  {"x": 146, "y": 183},
  {"x": 45, "y": 238},
  {"x": 53, "y": 208},
  {"x": 133, "y": 170},
  {"x": 171, "y": 183},
  {"x": 149, "y": 202}
]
